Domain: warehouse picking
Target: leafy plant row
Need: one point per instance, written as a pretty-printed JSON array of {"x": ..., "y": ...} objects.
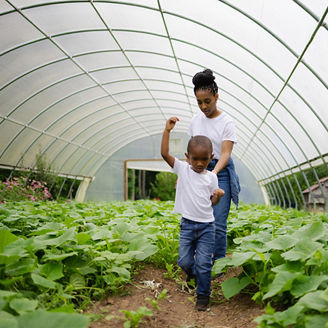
[
  {"x": 284, "y": 255},
  {"x": 57, "y": 257}
]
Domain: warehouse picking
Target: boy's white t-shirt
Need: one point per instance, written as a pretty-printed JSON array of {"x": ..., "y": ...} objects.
[
  {"x": 193, "y": 192},
  {"x": 217, "y": 129}
]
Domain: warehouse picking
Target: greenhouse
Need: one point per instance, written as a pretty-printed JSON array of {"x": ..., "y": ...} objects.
[{"x": 86, "y": 89}]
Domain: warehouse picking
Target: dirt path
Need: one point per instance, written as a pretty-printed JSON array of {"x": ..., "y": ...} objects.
[{"x": 177, "y": 308}]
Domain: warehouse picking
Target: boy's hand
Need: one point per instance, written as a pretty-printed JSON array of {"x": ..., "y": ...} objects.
[
  {"x": 170, "y": 123},
  {"x": 218, "y": 192}
]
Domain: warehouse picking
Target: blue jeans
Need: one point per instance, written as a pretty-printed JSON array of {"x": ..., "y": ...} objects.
[
  {"x": 195, "y": 252},
  {"x": 221, "y": 212}
]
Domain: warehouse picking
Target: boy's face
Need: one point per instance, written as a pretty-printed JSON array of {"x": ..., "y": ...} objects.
[{"x": 199, "y": 157}]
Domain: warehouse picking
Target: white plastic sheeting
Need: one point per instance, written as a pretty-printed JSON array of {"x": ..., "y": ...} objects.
[{"x": 81, "y": 79}]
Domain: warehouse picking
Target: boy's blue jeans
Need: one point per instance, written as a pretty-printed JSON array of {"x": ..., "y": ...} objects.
[
  {"x": 195, "y": 252},
  {"x": 221, "y": 213}
]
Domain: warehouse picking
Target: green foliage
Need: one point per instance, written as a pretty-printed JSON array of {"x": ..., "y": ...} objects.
[
  {"x": 19, "y": 189},
  {"x": 38, "y": 184},
  {"x": 57, "y": 256},
  {"x": 134, "y": 318},
  {"x": 60, "y": 256},
  {"x": 283, "y": 253},
  {"x": 164, "y": 186}
]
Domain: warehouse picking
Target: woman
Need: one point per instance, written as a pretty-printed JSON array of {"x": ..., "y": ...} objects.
[{"x": 219, "y": 127}]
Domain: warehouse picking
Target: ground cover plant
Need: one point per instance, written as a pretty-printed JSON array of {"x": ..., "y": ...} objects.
[
  {"x": 56, "y": 257},
  {"x": 284, "y": 254}
]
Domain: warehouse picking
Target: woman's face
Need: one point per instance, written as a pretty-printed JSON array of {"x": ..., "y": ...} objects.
[{"x": 207, "y": 102}]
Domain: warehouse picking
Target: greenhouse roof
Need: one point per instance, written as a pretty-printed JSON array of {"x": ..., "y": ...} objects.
[{"x": 81, "y": 79}]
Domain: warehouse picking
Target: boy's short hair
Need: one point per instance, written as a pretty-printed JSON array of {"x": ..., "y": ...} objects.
[{"x": 200, "y": 140}]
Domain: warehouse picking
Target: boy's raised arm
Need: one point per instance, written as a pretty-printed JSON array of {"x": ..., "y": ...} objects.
[{"x": 170, "y": 123}]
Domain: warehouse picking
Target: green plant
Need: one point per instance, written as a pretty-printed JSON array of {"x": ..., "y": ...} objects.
[
  {"x": 18, "y": 189},
  {"x": 284, "y": 255},
  {"x": 164, "y": 186},
  {"x": 134, "y": 318},
  {"x": 154, "y": 302}
]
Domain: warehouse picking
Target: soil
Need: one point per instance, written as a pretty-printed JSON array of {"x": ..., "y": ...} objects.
[{"x": 177, "y": 309}]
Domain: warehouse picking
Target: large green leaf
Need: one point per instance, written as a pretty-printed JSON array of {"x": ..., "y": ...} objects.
[
  {"x": 20, "y": 267},
  {"x": 42, "y": 319},
  {"x": 23, "y": 305},
  {"x": 282, "y": 281},
  {"x": 52, "y": 270},
  {"x": 315, "y": 301},
  {"x": 304, "y": 284},
  {"x": 144, "y": 246},
  {"x": 316, "y": 321},
  {"x": 240, "y": 258},
  {"x": 7, "y": 320},
  {"x": 47, "y": 240},
  {"x": 121, "y": 271},
  {"x": 294, "y": 266},
  {"x": 282, "y": 242},
  {"x": 312, "y": 231},
  {"x": 284, "y": 318},
  {"x": 38, "y": 280},
  {"x": 303, "y": 250},
  {"x": 221, "y": 264},
  {"x": 6, "y": 237},
  {"x": 77, "y": 280},
  {"x": 233, "y": 286},
  {"x": 82, "y": 238},
  {"x": 57, "y": 257}
]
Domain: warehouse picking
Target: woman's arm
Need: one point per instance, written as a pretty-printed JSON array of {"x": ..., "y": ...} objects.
[{"x": 226, "y": 150}]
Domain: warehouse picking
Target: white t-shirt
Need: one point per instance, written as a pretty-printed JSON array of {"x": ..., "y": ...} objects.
[
  {"x": 192, "y": 197},
  {"x": 218, "y": 129}
]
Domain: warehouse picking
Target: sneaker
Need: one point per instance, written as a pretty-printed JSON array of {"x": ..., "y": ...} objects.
[
  {"x": 202, "y": 302},
  {"x": 191, "y": 281}
]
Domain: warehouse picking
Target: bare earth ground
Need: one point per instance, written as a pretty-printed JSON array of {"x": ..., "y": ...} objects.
[{"x": 177, "y": 308}]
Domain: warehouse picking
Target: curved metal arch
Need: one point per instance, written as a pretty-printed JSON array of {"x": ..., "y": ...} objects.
[
  {"x": 264, "y": 146},
  {"x": 278, "y": 39},
  {"x": 287, "y": 147},
  {"x": 64, "y": 52},
  {"x": 83, "y": 118},
  {"x": 262, "y": 105},
  {"x": 299, "y": 122},
  {"x": 28, "y": 125},
  {"x": 174, "y": 54},
  {"x": 246, "y": 49},
  {"x": 119, "y": 142},
  {"x": 266, "y": 90},
  {"x": 96, "y": 143},
  {"x": 275, "y": 193},
  {"x": 290, "y": 75},
  {"x": 126, "y": 57},
  {"x": 98, "y": 132},
  {"x": 215, "y": 31},
  {"x": 311, "y": 13}
]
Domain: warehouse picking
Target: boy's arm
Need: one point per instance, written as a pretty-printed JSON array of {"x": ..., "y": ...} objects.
[
  {"x": 170, "y": 123},
  {"x": 217, "y": 194}
]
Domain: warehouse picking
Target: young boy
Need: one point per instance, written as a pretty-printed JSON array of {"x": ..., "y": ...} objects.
[{"x": 197, "y": 190}]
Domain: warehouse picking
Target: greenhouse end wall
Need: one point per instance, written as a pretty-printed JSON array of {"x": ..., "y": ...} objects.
[{"x": 108, "y": 184}]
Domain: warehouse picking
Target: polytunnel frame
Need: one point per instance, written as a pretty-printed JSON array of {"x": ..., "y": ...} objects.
[{"x": 162, "y": 13}]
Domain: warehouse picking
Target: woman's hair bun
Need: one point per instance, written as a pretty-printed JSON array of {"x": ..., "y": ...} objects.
[{"x": 203, "y": 78}]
